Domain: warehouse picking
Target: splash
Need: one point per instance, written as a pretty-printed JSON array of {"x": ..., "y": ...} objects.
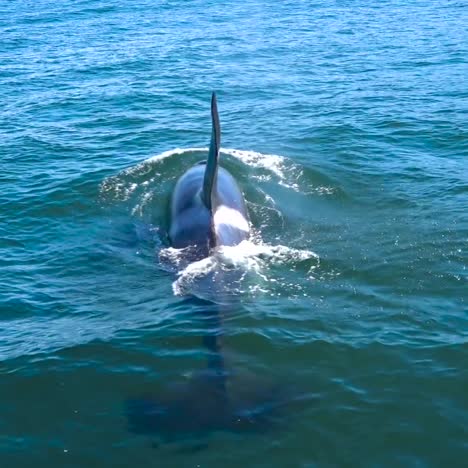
[
  {"x": 145, "y": 190},
  {"x": 229, "y": 266},
  {"x": 137, "y": 181},
  {"x": 278, "y": 165}
]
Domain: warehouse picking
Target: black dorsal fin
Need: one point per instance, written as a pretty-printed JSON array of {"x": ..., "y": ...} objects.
[{"x": 211, "y": 171}]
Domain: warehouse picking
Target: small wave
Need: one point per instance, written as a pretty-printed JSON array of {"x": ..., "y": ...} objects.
[
  {"x": 252, "y": 256},
  {"x": 153, "y": 174},
  {"x": 284, "y": 169},
  {"x": 174, "y": 152},
  {"x": 227, "y": 266},
  {"x": 278, "y": 165},
  {"x": 146, "y": 193}
]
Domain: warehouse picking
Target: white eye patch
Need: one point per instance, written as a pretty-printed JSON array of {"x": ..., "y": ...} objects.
[{"x": 230, "y": 217}]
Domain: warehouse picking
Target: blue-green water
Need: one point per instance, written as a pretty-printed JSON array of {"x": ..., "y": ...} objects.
[{"x": 347, "y": 123}]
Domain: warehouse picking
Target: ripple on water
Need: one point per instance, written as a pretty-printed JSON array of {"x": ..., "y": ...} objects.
[{"x": 351, "y": 293}]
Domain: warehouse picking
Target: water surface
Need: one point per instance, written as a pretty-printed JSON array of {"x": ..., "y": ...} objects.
[{"x": 345, "y": 123}]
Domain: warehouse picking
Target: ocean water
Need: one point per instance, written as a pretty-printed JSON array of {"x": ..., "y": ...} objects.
[{"x": 345, "y": 328}]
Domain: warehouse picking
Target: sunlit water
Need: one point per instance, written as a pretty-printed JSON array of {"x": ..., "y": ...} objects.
[{"x": 345, "y": 124}]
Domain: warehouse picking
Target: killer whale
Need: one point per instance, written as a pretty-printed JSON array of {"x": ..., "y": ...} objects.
[
  {"x": 207, "y": 208},
  {"x": 207, "y": 211}
]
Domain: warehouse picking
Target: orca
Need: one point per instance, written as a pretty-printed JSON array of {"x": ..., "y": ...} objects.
[{"x": 208, "y": 209}]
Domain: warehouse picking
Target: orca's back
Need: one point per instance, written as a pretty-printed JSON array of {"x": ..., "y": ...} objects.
[
  {"x": 191, "y": 220},
  {"x": 207, "y": 207}
]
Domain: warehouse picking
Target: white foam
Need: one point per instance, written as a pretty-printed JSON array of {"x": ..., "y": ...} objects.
[
  {"x": 278, "y": 165},
  {"x": 249, "y": 256},
  {"x": 193, "y": 272},
  {"x": 245, "y": 257},
  {"x": 284, "y": 170},
  {"x": 271, "y": 162},
  {"x": 255, "y": 256}
]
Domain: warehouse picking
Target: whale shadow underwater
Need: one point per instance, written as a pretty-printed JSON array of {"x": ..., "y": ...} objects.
[{"x": 207, "y": 211}]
